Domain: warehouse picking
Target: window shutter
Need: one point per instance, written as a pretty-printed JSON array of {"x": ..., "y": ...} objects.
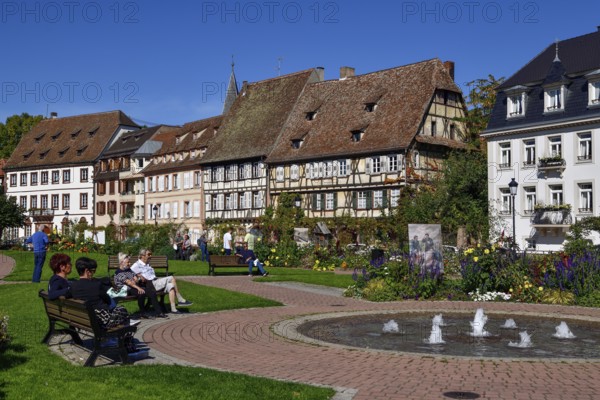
[
  {"x": 384, "y": 164},
  {"x": 196, "y": 208},
  {"x": 368, "y": 166},
  {"x": 384, "y": 199},
  {"x": 175, "y": 209},
  {"x": 354, "y": 200},
  {"x": 336, "y": 167},
  {"x": 369, "y": 199},
  {"x": 208, "y": 202},
  {"x": 335, "y": 196},
  {"x": 314, "y": 201},
  {"x": 323, "y": 201}
]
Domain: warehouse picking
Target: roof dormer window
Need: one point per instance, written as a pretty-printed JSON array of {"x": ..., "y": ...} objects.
[
  {"x": 75, "y": 133},
  {"x": 27, "y": 155},
  {"x": 62, "y": 152},
  {"x": 594, "y": 93},
  {"x": 370, "y": 107},
  {"x": 297, "y": 143},
  {"x": 311, "y": 115},
  {"x": 81, "y": 150},
  {"x": 93, "y": 131},
  {"x": 43, "y": 154},
  {"x": 55, "y": 136},
  {"x": 516, "y": 105},
  {"x": 554, "y": 99},
  {"x": 39, "y": 137},
  {"x": 357, "y": 135}
]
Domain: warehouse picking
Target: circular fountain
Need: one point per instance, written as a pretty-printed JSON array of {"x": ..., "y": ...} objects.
[{"x": 454, "y": 334}]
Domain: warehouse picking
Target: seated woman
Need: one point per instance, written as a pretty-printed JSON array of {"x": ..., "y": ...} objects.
[
  {"x": 186, "y": 249},
  {"x": 93, "y": 292},
  {"x": 124, "y": 276},
  {"x": 59, "y": 286}
]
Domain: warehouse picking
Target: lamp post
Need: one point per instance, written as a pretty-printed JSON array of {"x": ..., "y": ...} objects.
[
  {"x": 155, "y": 210},
  {"x": 297, "y": 201},
  {"x": 512, "y": 186}
]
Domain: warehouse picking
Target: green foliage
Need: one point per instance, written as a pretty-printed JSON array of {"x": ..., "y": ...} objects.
[
  {"x": 378, "y": 290},
  {"x": 4, "y": 336},
  {"x": 11, "y": 214},
  {"x": 563, "y": 297},
  {"x": 456, "y": 198},
  {"x": 13, "y": 130},
  {"x": 279, "y": 222},
  {"x": 484, "y": 268},
  {"x": 577, "y": 242},
  {"x": 591, "y": 299},
  {"x": 480, "y": 103}
]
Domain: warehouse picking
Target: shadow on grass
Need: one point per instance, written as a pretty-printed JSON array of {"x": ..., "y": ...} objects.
[{"x": 8, "y": 358}]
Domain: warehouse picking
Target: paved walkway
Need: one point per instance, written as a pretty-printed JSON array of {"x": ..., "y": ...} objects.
[{"x": 244, "y": 341}]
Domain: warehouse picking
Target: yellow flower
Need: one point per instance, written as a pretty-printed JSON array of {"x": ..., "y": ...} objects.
[
  {"x": 478, "y": 245},
  {"x": 486, "y": 251},
  {"x": 316, "y": 262},
  {"x": 540, "y": 288},
  {"x": 258, "y": 239},
  {"x": 475, "y": 259},
  {"x": 510, "y": 290},
  {"x": 273, "y": 250},
  {"x": 277, "y": 258}
]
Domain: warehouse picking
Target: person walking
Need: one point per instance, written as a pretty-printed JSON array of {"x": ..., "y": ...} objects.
[{"x": 40, "y": 241}]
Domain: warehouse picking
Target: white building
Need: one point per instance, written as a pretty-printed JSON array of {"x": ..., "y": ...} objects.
[
  {"x": 544, "y": 131},
  {"x": 50, "y": 173}
]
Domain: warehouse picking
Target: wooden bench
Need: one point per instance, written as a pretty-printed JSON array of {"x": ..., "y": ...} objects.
[
  {"x": 76, "y": 315},
  {"x": 221, "y": 261},
  {"x": 162, "y": 265}
]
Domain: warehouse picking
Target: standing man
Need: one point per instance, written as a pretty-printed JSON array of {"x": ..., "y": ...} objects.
[
  {"x": 250, "y": 238},
  {"x": 227, "y": 241},
  {"x": 203, "y": 245},
  {"x": 40, "y": 241}
]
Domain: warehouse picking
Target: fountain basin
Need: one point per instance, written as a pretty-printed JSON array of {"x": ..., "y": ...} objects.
[{"x": 363, "y": 330}]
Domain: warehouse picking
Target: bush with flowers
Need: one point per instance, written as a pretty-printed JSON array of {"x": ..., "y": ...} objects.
[{"x": 481, "y": 268}]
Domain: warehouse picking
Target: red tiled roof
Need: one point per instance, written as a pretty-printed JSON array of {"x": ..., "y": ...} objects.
[
  {"x": 402, "y": 95},
  {"x": 67, "y": 141}
]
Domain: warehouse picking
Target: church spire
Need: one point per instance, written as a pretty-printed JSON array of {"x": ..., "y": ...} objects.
[{"x": 232, "y": 89}]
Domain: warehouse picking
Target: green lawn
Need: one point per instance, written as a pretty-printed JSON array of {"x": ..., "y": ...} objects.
[
  {"x": 29, "y": 370},
  {"x": 24, "y": 268}
]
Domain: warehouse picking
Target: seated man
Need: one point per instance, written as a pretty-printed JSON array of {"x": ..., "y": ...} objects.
[
  {"x": 124, "y": 276},
  {"x": 248, "y": 257},
  {"x": 147, "y": 276}
]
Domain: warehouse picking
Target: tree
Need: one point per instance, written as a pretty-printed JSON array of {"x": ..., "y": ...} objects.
[
  {"x": 13, "y": 130},
  {"x": 282, "y": 220},
  {"x": 480, "y": 102},
  {"x": 456, "y": 198},
  {"x": 12, "y": 215}
]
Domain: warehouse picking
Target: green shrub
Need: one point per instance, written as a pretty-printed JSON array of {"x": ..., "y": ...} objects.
[{"x": 591, "y": 299}]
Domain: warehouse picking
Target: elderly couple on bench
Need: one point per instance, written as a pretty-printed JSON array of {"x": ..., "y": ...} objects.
[{"x": 142, "y": 282}]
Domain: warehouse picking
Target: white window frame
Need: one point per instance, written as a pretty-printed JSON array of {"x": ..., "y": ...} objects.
[
  {"x": 586, "y": 197},
  {"x": 23, "y": 179},
  {"x": 83, "y": 175},
  {"x": 220, "y": 201},
  {"x": 33, "y": 178},
  {"x": 393, "y": 163},
  {"x": 318, "y": 202},
  {"x": 329, "y": 169},
  {"x": 55, "y": 202},
  {"x": 329, "y": 201},
  {"x": 555, "y": 146},
  {"x": 594, "y": 93},
  {"x": 196, "y": 210},
  {"x": 530, "y": 199},
  {"x": 66, "y": 201},
  {"x": 377, "y": 198},
  {"x": 394, "y": 197},
  {"x": 554, "y": 99},
  {"x": 529, "y": 158},
  {"x": 516, "y": 105},
  {"x": 66, "y": 175},
  {"x": 584, "y": 146},
  {"x": 175, "y": 209},
  {"x": 506, "y": 201},
  {"x": 207, "y": 203},
  {"x": 505, "y": 155},
  {"x": 556, "y": 195},
  {"x": 361, "y": 200},
  {"x": 83, "y": 200},
  {"x": 343, "y": 167},
  {"x": 257, "y": 200}
]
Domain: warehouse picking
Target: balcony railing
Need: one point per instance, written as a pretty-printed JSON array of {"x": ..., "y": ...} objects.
[
  {"x": 39, "y": 212},
  {"x": 551, "y": 163},
  {"x": 551, "y": 217}
]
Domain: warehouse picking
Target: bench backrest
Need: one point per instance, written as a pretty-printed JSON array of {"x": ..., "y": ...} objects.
[
  {"x": 224, "y": 260},
  {"x": 159, "y": 263},
  {"x": 74, "y": 312}
]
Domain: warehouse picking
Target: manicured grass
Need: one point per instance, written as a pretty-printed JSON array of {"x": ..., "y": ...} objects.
[
  {"x": 24, "y": 268},
  {"x": 29, "y": 370}
]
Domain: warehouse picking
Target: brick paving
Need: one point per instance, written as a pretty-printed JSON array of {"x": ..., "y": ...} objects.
[{"x": 244, "y": 341}]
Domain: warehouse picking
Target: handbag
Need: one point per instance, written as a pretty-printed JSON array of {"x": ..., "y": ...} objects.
[{"x": 121, "y": 293}]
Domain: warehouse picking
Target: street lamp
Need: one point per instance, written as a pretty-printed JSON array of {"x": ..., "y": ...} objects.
[
  {"x": 155, "y": 210},
  {"x": 297, "y": 201},
  {"x": 512, "y": 186}
]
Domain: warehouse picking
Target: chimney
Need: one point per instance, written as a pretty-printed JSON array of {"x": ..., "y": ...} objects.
[
  {"x": 53, "y": 115},
  {"x": 320, "y": 73},
  {"x": 346, "y": 72},
  {"x": 450, "y": 67}
]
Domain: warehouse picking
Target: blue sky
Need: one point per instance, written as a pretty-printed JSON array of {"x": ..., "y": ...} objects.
[{"x": 169, "y": 62}]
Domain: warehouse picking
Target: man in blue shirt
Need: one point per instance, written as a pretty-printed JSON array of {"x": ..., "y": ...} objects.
[
  {"x": 40, "y": 243},
  {"x": 249, "y": 258}
]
